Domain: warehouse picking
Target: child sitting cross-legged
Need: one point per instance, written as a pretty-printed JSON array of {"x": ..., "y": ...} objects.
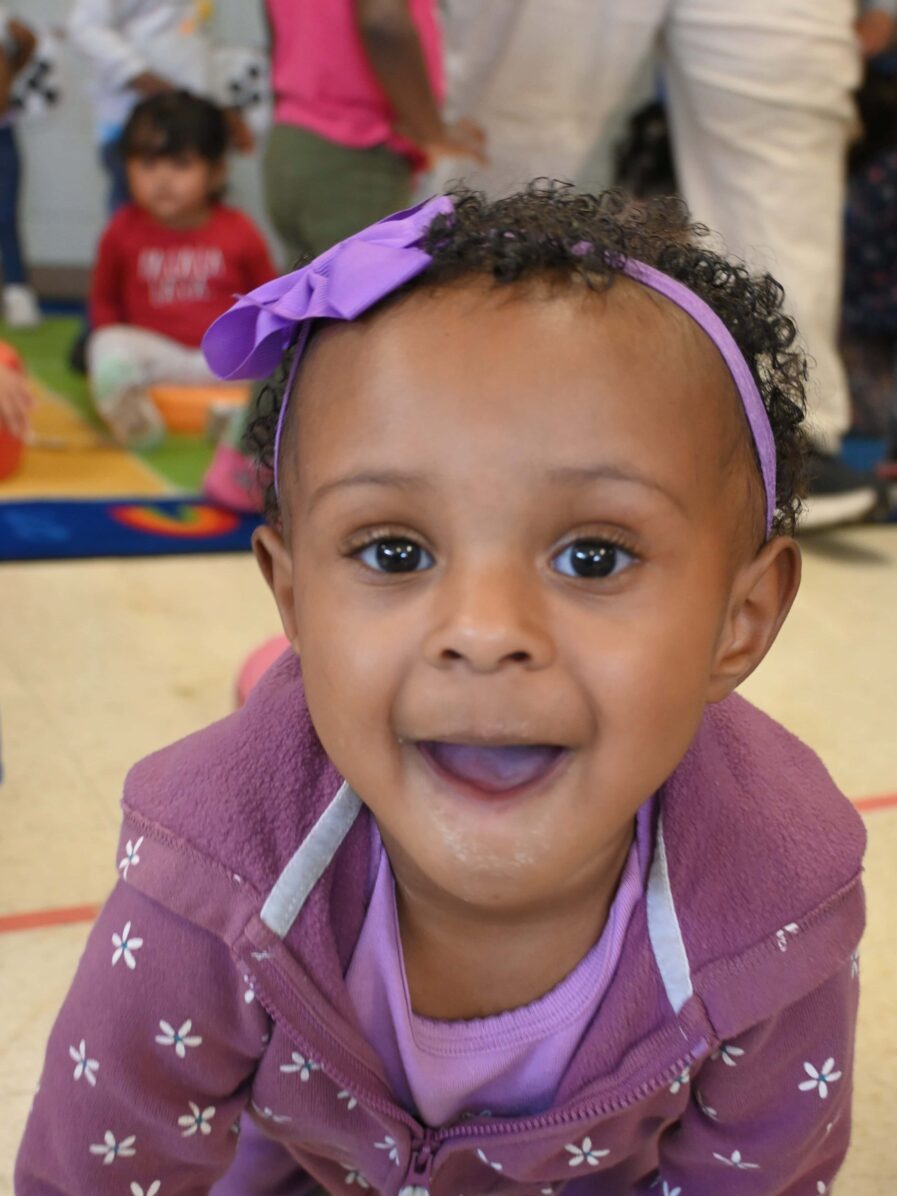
[
  {"x": 493, "y": 885},
  {"x": 168, "y": 264}
]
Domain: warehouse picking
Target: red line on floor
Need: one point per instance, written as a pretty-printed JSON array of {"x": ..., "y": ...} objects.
[
  {"x": 876, "y": 803},
  {"x": 43, "y": 919},
  {"x": 40, "y": 918}
]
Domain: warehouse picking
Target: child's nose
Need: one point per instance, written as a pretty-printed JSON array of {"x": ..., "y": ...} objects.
[{"x": 489, "y": 619}]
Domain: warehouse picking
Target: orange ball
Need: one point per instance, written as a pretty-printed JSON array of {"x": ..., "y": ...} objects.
[{"x": 10, "y": 358}]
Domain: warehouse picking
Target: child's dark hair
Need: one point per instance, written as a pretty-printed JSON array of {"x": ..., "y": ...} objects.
[
  {"x": 542, "y": 231},
  {"x": 174, "y": 123}
]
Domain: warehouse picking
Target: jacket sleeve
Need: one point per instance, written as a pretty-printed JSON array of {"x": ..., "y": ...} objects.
[
  {"x": 91, "y": 28},
  {"x": 769, "y": 1113},
  {"x": 149, "y": 1063}
]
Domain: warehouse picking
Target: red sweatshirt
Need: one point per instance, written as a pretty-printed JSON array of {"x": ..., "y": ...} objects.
[{"x": 175, "y": 281}]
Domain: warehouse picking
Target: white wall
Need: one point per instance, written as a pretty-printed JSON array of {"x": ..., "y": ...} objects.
[{"x": 63, "y": 203}]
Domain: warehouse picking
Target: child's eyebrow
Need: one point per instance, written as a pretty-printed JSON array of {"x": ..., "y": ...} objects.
[
  {"x": 383, "y": 477},
  {"x": 578, "y": 475}
]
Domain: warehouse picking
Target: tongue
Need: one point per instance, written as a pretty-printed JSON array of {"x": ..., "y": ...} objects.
[{"x": 494, "y": 769}]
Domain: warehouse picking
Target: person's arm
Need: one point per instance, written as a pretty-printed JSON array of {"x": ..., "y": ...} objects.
[
  {"x": 148, "y": 1063},
  {"x": 16, "y": 401},
  {"x": 394, "y": 51},
  {"x": 106, "y": 304},
  {"x": 16, "y": 49},
  {"x": 118, "y": 62},
  {"x": 769, "y": 1115},
  {"x": 876, "y": 26}
]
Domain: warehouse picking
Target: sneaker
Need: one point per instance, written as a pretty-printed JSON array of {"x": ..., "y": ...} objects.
[
  {"x": 232, "y": 481},
  {"x": 133, "y": 419},
  {"x": 836, "y": 494},
  {"x": 20, "y": 306}
]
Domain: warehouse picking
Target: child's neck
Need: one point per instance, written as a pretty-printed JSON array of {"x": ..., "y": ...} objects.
[
  {"x": 464, "y": 963},
  {"x": 195, "y": 218}
]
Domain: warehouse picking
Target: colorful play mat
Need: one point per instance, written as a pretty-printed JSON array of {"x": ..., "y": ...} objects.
[{"x": 77, "y": 495}]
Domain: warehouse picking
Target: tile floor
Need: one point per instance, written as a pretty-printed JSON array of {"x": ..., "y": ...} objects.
[{"x": 101, "y": 662}]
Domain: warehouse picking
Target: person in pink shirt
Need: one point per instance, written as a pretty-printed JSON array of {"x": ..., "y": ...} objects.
[{"x": 358, "y": 87}]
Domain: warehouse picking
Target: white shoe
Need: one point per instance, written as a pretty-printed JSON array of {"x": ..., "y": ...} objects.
[{"x": 20, "y": 307}]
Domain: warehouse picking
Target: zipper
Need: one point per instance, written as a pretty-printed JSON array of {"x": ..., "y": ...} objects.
[{"x": 425, "y": 1142}]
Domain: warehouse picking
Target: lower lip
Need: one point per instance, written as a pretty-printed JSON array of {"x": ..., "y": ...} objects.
[{"x": 495, "y": 796}]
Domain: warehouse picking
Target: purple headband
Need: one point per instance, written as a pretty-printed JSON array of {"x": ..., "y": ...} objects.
[{"x": 250, "y": 339}]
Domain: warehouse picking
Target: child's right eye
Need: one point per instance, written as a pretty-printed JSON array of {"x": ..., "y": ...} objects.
[{"x": 395, "y": 554}]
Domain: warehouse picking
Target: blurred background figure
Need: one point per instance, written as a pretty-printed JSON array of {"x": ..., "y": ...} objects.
[
  {"x": 869, "y": 317},
  {"x": 169, "y": 262},
  {"x": 140, "y": 48},
  {"x": 759, "y": 96},
  {"x": 358, "y": 88},
  {"x": 19, "y": 305}
]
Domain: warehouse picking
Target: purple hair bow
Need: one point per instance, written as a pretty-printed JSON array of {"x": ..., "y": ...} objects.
[{"x": 250, "y": 339}]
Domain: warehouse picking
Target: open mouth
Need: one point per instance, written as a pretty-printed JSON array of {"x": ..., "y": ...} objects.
[{"x": 499, "y": 769}]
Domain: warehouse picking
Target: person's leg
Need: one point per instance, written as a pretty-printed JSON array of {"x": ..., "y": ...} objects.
[
  {"x": 318, "y": 192},
  {"x": 760, "y": 112},
  {"x": 20, "y": 308},
  {"x": 123, "y": 362},
  {"x": 10, "y": 246},
  {"x": 111, "y": 160}
]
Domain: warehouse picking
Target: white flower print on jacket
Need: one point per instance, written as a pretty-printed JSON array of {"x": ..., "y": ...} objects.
[
  {"x": 820, "y": 1079},
  {"x": 585, "y": 1153},
  {"x": 299, "y": 1063},
  {"x": 728, "y": 1053},
  {"x": 735, "y": 1160},
  {"x": 196, "y": 1120},
  {"x": 112, "y": 1150},
  {"x": 153, "y": 1190},
  {"x": 179, "y": 1039},
  {"x": 130, "y": 857},
  {"x": 125, "y": 946},
  {"x": 84, "y": 1066}
]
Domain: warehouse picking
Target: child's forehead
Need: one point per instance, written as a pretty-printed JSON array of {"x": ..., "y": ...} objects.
[
  {"x": 557, "y": 334},
  {"x": 487, "y": 378}
]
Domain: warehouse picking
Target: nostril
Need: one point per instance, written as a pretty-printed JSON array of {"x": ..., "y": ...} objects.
[{"x": 518, "y": 657}]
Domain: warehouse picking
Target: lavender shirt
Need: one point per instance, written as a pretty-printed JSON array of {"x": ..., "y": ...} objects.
[{"x": 508, "y": 1064}]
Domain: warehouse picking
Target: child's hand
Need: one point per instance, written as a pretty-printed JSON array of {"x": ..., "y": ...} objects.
[
  {"x": 875, "y": 31},
  {"x": 16, "y": 400},
  {"x": 462, "y": 139},
  {"x": 149, "y": 84}
]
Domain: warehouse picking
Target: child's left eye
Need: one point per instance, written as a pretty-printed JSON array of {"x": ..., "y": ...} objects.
[
  {"x": 395, "y": 554},
  {"x": 592, "y": 559}
]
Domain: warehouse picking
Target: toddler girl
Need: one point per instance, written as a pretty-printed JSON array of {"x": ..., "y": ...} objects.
[
  {"x": 168, "y": 263},
  {"x": 504, "y": 891}
]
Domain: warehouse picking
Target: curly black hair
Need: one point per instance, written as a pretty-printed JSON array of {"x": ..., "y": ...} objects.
[{"x": 551, "y": 229}]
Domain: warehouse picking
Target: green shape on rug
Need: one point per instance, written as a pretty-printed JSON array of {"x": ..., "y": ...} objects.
[{"x": 180, "y": 460}]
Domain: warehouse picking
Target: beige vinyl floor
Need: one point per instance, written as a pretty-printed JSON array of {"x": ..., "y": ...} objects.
[{"x": 103, "y": 661}]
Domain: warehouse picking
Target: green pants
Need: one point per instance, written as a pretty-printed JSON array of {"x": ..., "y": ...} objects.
[{"x": 318, "y": 192}]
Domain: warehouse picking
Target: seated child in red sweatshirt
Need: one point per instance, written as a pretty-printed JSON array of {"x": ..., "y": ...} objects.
[{"x": 168, "y": 264}]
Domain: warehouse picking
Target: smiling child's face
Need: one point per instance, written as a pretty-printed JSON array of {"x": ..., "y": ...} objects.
[{"x": 521, "y": 556}]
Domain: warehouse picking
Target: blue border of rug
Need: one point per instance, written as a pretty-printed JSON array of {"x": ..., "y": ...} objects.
[{"x": 70, "y": 529}]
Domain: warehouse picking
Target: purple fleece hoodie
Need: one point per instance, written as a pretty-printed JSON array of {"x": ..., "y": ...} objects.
[{"x": 718, "y": 1064}]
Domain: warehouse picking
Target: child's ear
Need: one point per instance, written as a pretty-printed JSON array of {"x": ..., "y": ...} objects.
[
  {"x": 276, "y": 564},
  {"x": 761, "y": 598}
]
